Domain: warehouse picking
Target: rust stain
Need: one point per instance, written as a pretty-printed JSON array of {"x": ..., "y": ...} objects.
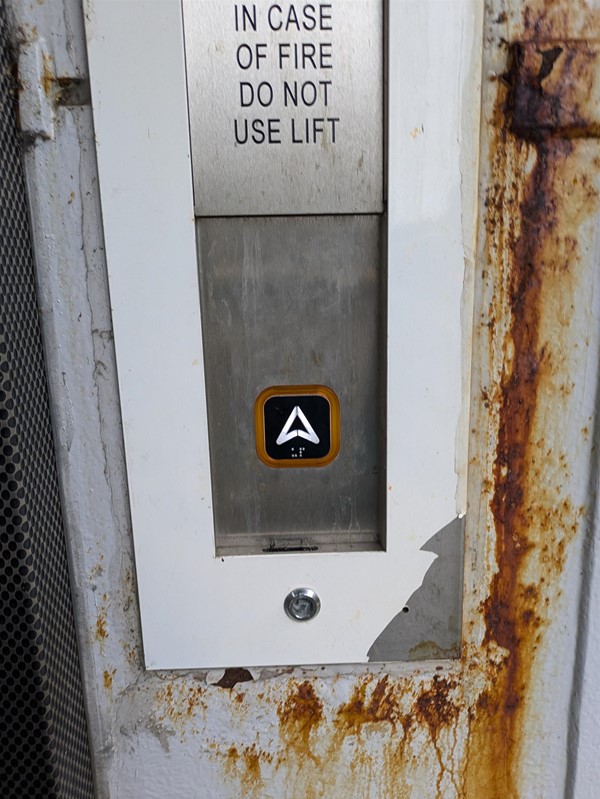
[
  {"x": 179, "y": 702},
  {"x": 101, "y": 626},
  {"x": 553, "y": 90},
  {"x": 299, "y": 714},
  {"x": 438, "y": 708},
  {"x": 246, "y": 765},
  {"x": 540, "y": 194},
  {"x": 370, "y": 705},
  {"x": 48, "y": 74},
  {"x": 107, "y": 678},
  {"x": 544, "y": 20},
  {"x": 321, "y": 754},
  {"x": 435, "y": 706},
  {"x": 407, "y": 710},
  {"x": 98, "y": 569},
  {"x": 132, "y": 654},
  {"x": 101, "y": 631},
  {"x": 232, "y": 677}
]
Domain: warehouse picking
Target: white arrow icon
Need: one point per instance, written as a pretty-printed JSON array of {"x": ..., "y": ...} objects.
[{"x": 308, "y": 433}]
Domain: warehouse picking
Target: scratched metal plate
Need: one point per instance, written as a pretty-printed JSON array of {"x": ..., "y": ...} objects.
[
  {"x": 261, "y": 330},
  {"x": 286, "y": 106}
]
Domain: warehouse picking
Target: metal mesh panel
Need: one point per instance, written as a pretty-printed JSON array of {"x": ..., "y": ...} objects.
[{"x": 43, "y": 739}]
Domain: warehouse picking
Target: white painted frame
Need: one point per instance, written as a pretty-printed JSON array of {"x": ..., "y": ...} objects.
[{"x": 199, "y": 610}]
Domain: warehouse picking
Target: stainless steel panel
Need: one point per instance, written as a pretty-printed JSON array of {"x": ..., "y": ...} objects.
[
  {"x": 286, "y": 106},
  {"x": 285, "y": 301}
]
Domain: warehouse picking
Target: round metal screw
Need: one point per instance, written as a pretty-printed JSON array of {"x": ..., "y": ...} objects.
[{"x": 302, "y": 604}]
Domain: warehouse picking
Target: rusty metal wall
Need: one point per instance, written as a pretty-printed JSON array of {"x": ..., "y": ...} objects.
[
  {"x": 533, "y": 467},
  {"x": 503, "y": 720}
]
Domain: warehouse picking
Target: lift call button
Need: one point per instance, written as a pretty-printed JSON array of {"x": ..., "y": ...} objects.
[{"x": 297, "y": 426}]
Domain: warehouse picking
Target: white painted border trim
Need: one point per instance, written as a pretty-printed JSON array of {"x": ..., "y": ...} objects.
[{"x": 198, "y": 610}]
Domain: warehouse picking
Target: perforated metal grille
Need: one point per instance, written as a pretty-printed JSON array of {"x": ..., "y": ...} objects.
[{"x": 43, "y": 739}]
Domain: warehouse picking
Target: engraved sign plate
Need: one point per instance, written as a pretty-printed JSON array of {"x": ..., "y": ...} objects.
[{"x": 286, "y": 106}]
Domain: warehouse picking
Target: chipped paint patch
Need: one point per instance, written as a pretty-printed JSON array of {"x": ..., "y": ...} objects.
[
  {"x": 231, "y": 677},
  {"x": 428, "y": 626}
]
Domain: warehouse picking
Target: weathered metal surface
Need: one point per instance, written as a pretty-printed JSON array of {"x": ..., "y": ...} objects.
[
  {"x": 555, "y": 89},
  {"x": 286, "y": 107},
  {"x": 495, "y": 723},
  {"x": 541, "y": 198}
]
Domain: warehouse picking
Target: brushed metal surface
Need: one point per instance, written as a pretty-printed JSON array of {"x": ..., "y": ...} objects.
[
  {"x": 286, "y": 106},
  {"x": 292, "y": 300}
]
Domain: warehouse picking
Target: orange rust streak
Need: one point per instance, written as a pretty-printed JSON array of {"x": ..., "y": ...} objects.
[
  {"x": 380, "y": 741},
  {"x": 299, "y": 714},
  {"x": 535, "y": 208},
  {"x": 48, "y": 75},
  {"x": 519, "y": 395},
  {"x": 101, "y": 627},
  {"x": 380, "y": 706},
  {"x": 498, "y": 705},
  {"x": 435, "y": 707},
  {"x": 181, "y": 703},
  {"x": 245, "y": 764}
]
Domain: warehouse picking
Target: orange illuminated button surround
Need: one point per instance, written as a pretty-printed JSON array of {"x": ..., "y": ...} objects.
[{"x": 292, "y": 424}]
